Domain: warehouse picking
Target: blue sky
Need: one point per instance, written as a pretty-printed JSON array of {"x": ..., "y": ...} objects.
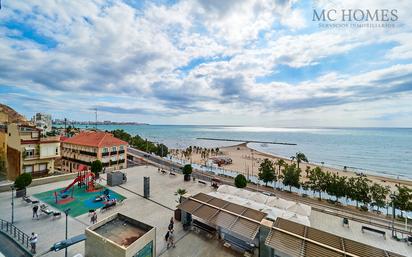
[{"x": 251, "y": 62}]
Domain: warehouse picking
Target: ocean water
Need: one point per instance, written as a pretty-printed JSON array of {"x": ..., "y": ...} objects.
[{"x": 379, "y": 151}]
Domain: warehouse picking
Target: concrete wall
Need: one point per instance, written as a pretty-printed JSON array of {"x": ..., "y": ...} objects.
[
  {"x": 98, "y": 246},
  {"x": 134, "y": 248},
  {"x": 13, "y": 163}
]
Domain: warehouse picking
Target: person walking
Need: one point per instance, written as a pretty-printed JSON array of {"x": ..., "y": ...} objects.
[
  {"x": 171, "y": 224},
  {"x": 35, "y": 209},
  {"x": 33, "y": 241},
  {"x": 171, "y": 240},
  {"x": 93, "y": 219}
]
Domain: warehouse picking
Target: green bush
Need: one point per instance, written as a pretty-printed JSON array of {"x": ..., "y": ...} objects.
[
  {"x": 240, "y": 181},
  {"x": 23, "y": 181},
  {"x": 187, "y": 169}
]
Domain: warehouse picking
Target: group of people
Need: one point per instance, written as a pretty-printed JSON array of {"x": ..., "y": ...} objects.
[{"x": 169, "y": 237}]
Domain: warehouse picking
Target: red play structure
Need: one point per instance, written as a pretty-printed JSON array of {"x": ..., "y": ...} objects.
[{"x": 84, "y": 178}]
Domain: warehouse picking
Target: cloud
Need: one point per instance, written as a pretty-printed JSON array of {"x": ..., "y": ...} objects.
[{"x": 195, "y": 58}]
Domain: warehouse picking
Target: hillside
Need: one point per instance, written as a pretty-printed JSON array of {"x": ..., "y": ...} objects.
[{"x": 14, "y": 117}]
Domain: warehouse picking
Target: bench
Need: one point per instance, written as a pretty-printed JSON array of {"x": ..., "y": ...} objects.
[
  {"x": 383, "y": 233},
  {"x": 201, "y": 182},
  {"x": 163, "y": 171},
  {"x": 172, "y": 174},
  {"x": 204, "y": 227},
  {"x": 27, "y": 199}
]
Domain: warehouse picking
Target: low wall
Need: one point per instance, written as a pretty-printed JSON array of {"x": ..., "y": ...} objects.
[{"x": 42, "y": 181}]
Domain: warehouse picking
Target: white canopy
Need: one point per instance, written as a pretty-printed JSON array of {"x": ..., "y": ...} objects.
[
  {"x": 301, "y": 209},
  {"x": 274, "y": 201},
  {"x": 258, "y": 197},
  {"x": 273, "y": 213},
  {"x": 296, "y": 218}
]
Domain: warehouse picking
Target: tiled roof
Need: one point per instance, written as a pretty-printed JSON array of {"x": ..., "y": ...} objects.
[{"x": 96, "y": 139}]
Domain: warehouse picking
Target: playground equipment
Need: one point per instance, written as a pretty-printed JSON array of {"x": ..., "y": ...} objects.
[{"x": 84, "y": 178}]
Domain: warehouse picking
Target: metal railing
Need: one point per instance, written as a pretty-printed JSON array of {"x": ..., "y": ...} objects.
[{"x": 15, "y": 233}]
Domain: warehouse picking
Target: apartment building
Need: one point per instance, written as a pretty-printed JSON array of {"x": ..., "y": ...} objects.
[
  {"x": 88, "y": 146},
  {"x": 42, "y": 121},
  {"x": 28, "y": 151}
]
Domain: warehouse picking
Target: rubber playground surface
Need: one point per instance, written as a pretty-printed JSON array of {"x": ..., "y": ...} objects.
[{"x": 82, "y": 202}]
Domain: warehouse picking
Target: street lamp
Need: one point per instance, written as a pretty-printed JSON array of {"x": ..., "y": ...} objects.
[
  {"x": 12, "y": 204},
  {"x": 392, "y": 196},
  {"x": 67, "y": 214}
]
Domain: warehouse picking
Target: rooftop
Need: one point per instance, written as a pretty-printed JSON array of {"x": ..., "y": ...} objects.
[
  {"x": 122, "y": 230},
  {"x": 95, "y": 139}
]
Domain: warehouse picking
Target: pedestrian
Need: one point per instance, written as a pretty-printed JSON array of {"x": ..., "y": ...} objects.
[
  {"x": 170, "y": 242},
  {"x": 35, "y": 209},
  {"x": 33, "y": 241},
  {"x": 93, "y": 219},
  {"x": 171, "y": 224}
]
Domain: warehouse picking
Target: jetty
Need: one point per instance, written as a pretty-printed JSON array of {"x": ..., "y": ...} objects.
[{"x": 245, "y": 141}]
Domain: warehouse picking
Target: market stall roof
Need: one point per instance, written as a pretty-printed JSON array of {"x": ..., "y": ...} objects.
[
  {"x": 236, "y": 218},
  {"x": 295, "y": 239}
]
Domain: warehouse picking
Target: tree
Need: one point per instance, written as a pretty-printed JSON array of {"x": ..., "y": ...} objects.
[
  {"x": 187, "y": 169},
  {"x": 403, "y": 199},
  {"x": 379, "y": 194},
  {"x": 161, "y": 150},
  {"x": 240, "y": 181},
  {"x": 267, "y": 171},
  {"x": 280, "y": 163},
  {"x": 299, "y": 157},
  {"x": 361, "y": 191},
  {"x": 316, "y": 176},
  {"x": 335, "y": 185},
  {"x": 291, "y": 176},
  {"x": 121, "y": 134},
  {"x": 96, "y": 167},
  {"x": 179, "y": 192},
  {"x": 307, "y": 170},
  {"x": 23, "y": 181}
]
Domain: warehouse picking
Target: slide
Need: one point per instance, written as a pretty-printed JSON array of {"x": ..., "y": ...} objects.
[{"x": 77, "y": 179}]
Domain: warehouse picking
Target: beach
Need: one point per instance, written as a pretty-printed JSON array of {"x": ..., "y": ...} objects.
[{"x": 242, "y": 156}]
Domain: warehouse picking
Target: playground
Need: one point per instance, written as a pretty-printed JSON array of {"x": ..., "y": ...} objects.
[{"x": 81, "y": 196}]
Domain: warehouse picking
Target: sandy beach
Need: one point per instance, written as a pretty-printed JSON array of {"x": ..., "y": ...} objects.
[{"x": 242, "y": 155}]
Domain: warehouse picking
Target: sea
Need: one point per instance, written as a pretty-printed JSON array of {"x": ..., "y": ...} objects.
[{"x": 378, "y": 151}]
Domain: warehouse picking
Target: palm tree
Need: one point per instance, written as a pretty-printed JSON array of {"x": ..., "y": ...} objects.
[
  {"x": 280, "y": 164},
  {"x": 299, "y": 157}
]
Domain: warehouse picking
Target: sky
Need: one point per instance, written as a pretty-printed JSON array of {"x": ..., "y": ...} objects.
[{"x": 233, "y": 62}]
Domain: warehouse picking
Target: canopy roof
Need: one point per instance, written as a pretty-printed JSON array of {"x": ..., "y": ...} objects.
[
  {"x": 295, "y": 239},
  {"x": 233, "y": 217}
]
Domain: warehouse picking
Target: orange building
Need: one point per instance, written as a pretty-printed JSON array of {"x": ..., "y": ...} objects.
[{"x": 86, "y": 147}]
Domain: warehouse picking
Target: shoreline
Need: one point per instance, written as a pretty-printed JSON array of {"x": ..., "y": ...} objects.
[
  {"x": 242, "y": 163},
  {"x": 348, "y": 173}
]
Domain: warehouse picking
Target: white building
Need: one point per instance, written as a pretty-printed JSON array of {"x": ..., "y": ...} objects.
[{"x": 43, "y": 121}]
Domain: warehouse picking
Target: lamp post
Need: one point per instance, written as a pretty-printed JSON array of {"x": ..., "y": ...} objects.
[
  {"x": 67, "y": 213},
  {"x": 392, "y": 196},
  {"x": 12, "y": 204}
]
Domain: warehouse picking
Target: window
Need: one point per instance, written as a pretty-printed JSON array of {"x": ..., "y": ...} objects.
[
  {"x": 28, "y": 169},
  {"x": 114, "y": 149},
  {"x": 57, "y": 151},
  {"x": 121, "y": 147},
  {"x": 42, "y": 166},
  {"x": 105, "y": 150}
]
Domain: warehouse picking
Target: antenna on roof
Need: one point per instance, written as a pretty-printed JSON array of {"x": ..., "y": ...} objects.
[{"x": 95, "y": 110}]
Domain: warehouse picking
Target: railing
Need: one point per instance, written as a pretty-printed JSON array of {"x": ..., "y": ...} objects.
[{"x": 15, "y": 233}]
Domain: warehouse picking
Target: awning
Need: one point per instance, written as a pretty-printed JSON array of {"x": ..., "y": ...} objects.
[
  {"x": 295, "y": 239},
  {"x": 233, "y": 217}
]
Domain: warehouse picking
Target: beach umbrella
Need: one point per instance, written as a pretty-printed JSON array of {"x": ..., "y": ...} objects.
[{"x": 301, "y": 209}]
